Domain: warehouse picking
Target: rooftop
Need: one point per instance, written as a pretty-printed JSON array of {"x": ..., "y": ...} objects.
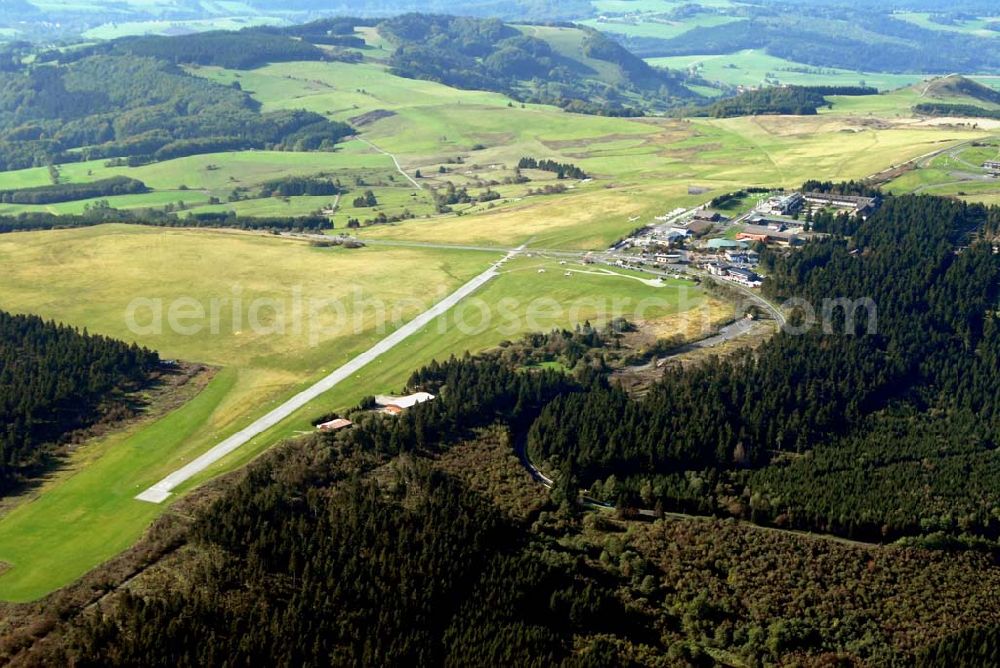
[{"x": 407, "y": 401}]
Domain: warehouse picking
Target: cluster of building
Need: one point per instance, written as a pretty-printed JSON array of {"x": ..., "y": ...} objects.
[
  {"x": 386, "y": 404},
  {"x": 783, "y": 205},
  {"x": 742, "y": 275},
  {"x": 852, "y": 203},
  {"x": 792, "y": 203},
  {"x": 770, "y": 232},
  {"x": 992, "y": 166},
  {"x": 676, "y": 232}
]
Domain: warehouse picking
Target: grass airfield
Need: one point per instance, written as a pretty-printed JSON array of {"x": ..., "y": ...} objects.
[
  {"x": 641, "y": 168},
  {"x": 84, "y": 513}
]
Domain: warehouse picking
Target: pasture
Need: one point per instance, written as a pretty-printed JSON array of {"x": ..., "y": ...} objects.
[
  {"x": 754, "y": 67},
  {"x": 642, "y": 167},
  {"x": 969, "y": 26},
  {"x": 287, "y": 314}
]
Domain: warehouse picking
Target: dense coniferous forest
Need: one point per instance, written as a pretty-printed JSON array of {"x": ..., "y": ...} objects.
[
  {"x": 54, "y": 380},
  {"x": 790, "y": 100},
  {"x": 867, "y": 395},
  {"x": 35, "y": 221},
  {"x": 954, "y": 110},
  {"x": 142, "y": 108},
  {"x": 68, "y": 192},
  {"x": 487, "y": 54}
]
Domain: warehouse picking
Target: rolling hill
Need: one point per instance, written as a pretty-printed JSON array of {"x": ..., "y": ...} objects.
[
  {"x": 579, "y": 69},
  {"x": 956, "y": 89}
]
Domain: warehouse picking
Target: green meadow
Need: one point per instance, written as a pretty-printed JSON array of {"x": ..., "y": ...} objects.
[
  {"x": 170, "y": 27},
  {"x": 972, "y": 26},
  {"x": 754, "y": 67}
]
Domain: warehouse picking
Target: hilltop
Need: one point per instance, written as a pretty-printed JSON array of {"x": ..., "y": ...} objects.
[
  {"x": 957, "y": 89},
  {"x": 572, "y": 67}
]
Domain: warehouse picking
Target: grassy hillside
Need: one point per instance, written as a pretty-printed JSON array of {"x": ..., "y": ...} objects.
[
  {"x": 957, "y": 89},
  {"x": 854, "y": 38}
]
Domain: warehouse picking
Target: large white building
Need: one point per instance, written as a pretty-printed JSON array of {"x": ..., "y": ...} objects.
[{"x": 785, "y": 205}]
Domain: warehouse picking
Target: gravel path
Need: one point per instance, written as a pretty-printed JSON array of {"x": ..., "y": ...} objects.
[{"x": 396, "y": 162}]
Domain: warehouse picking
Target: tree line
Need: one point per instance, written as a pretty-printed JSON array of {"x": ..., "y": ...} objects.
[
  {"x": 784, "y": 100},
  {"x": 42, "y": 220},
  {"x": 69, "y": 192},
  {"x": 55, "y": 379},
  {"x": 957, "y": 110},
  {"x": 560, "y": 169}
]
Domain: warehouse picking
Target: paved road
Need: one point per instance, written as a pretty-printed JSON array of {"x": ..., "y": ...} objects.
[
  {"x": 589, "y": 502},
  {"x": 395, "y": 162},
  {"x": 756, "y": 297},
  {"x": 163, "y": 489}
]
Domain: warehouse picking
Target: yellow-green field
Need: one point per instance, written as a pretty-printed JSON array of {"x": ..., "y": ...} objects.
[
  {"x": 955, "y": 173},
  {"x": 267, "y": 350},
  {"x": 754, "y": 67},
  {"x": 641, "y": 167}
]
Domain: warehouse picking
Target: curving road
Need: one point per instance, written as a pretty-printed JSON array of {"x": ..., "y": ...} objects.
[
  {"x": 395, "y": 162},
  {"x": 162, "y": 490}
]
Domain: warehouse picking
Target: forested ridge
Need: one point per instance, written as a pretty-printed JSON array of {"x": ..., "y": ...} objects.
[
  {"x": 859, "y": 38},
  {"x": 487, "y": 54},
  {"x": 53, "y": 380},
  {"x": 139, "y": 107}
]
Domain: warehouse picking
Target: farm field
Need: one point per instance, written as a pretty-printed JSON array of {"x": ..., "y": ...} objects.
[
  {"x": 86, "y": 513},
  {"x": 754, "y": 67},
  {"x": 972, "y": 26},
  {"x": 478, "y": 138}
]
